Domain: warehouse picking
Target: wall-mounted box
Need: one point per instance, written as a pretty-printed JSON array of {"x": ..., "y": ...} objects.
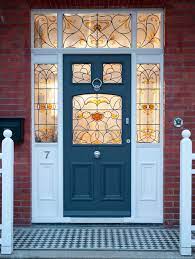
[{"x": 16, "y": 125}]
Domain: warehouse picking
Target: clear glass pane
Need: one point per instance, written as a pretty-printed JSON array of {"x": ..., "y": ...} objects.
[
  {"x": 148, "y": 103},
  {"x": 81, "y": 73},
  {"x": 112, "y": 73},
  {"x": 97, "y": 30},
  {"x": 45, "y": 105},
  {"x": 45, "y": 31},
  {"x": 97, "y": 119},
  {"x": 148, "y": 30}
]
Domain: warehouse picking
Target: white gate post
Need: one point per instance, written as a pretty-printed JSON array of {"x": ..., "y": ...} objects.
[
  {"x": 185, "y": 193},
  {"x": 7, "y": 193}
]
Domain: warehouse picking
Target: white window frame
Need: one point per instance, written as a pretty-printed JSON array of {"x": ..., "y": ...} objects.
[{"x": 138, "y": 56}]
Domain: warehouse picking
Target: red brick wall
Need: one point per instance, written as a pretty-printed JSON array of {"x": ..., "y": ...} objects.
[
  {"x": 15, "y": 98},
  {"x": 179, "y": 85}
]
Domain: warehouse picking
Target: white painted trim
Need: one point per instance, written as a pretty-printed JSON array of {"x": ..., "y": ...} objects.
[
  {"x": 112, "y": 10},
  {"x": 133, "y": 135},
  {"x": 102, "y": 220},
  {"x": 60, "y": 133},
  {"x": 55, "y": 56},
  {"x": 39, "y": 51},
  {"x": 60, "y": 30},
  {"x": 157, "y": 59}
]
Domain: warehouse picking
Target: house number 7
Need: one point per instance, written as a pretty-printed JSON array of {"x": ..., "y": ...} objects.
[{"x": 46, "y": 154}]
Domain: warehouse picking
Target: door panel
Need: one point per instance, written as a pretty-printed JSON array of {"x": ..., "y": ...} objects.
[
  {"x": 112, "y": 173},
  {"x": 96, "y": 96},
  {"x": 82, "y": 181}
]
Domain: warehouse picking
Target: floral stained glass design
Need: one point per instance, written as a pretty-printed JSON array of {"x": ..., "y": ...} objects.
[
  {"x": 45, "y": 31},
  {"x": 112, "y": 73},
  {"x": 81, "y": 73},
  {"x": 148, "y": 30},
  {"x": 45, "y": 102},
  {"x": 97, "y": 119},
  {"x": 97, "y": 30},
  {"x": 148, "y": 103}
]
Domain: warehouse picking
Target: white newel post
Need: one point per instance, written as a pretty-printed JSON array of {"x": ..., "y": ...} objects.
[
  {"x": 185, "y": 193},
  {"x": 7, "y": 193}
]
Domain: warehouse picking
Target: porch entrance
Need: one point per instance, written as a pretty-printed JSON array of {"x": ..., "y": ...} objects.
[{"x": 96, "y": 119}]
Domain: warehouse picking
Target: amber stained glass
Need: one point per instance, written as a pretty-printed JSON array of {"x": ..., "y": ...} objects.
[
  {"x": 45, "y": 102},
  {"x": 81, "y": 73},
  {"x": 97, "y": 30},
  {"x": 112, "y": 73},
  {"x": 148, "y": 103},
  {"x": 97, "y": 119},
  {"x": 148, "y": 30},
  {"x": 45, "y": 31}
]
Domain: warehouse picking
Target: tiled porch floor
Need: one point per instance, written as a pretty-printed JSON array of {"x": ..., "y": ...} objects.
[{"x": 97, "y": 237}]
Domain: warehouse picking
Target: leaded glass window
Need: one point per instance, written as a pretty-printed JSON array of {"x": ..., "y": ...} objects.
[
  {"x": 45, "y": 102},
  {"x": 112, "y": 73},
  {"x": 148, "y": 30},
  {"x": 45, "y": 31},
  {"x": 97, "y": 119},
  {"x": 97, "y": 30},
  {"x": 81, "y": 73},
  {"x": 148, "y": 103}
]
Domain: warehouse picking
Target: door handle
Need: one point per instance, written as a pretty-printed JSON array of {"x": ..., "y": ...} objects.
[{"x": 97, "y": 154}]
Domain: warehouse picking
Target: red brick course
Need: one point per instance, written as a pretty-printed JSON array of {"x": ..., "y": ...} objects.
[{"x": 179, "y": 72}]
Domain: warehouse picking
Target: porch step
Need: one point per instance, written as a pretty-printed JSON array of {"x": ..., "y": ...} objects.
[{"x": 99, "y": 237}]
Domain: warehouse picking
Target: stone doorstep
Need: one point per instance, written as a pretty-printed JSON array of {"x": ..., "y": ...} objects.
[{"x": 47, "y": 254}]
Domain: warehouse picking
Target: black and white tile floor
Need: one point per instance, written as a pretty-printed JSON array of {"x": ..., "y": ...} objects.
[{"x": 99, "y": 237}]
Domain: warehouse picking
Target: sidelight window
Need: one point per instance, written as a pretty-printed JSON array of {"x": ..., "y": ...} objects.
[
  {"x": 45, "y": 102},
  {"x": 148, "y": 103}
]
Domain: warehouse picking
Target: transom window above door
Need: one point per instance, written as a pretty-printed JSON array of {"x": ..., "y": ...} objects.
[{"x": 98, "y": 30}]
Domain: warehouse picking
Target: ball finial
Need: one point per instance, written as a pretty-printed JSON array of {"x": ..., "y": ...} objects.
[
  {"x": 186, "y": 133},
  {"x": 7, "y": 133}
]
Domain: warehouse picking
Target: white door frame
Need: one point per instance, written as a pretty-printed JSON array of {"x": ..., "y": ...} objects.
[{"x": 55, "y": 56}]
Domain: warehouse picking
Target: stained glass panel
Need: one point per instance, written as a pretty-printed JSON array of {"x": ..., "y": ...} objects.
[
  {"x": 97, "y": 119},
  {"x": 148, "y": 103},
  {"x": 97, "y": 30},
  {"x": 45, "y": 31},
  {"x": 81, "y": 73},
  {"x": 148, "y": 30},
  {"x": 112, "y": 73},
  {"x": 45, "y": 102}
]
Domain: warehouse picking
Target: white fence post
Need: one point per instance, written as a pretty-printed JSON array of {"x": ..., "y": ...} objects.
[
  {"x": 7, "y": 193},
  {"x": 185, "y": 193}
]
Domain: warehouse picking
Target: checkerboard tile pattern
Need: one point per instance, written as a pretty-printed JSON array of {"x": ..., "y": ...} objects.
[{"x": 96, "y": 238}]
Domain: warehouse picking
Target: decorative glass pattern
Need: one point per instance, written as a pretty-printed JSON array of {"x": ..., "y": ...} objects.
[
  {"x": 97, "y": 119},
  {"x": 97, "y": 30},
  {"x": 45, "y": 31},
  {"x": 81, "y": 73},
  {"x": 112, "y": 73},
  {"x": 148, "y": 30},
  {"x": 148, "y": 103},
  {"x": 45, "y": 102}
]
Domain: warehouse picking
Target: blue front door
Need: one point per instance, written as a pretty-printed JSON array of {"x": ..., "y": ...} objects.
[{"x": 96, "y": 108}]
